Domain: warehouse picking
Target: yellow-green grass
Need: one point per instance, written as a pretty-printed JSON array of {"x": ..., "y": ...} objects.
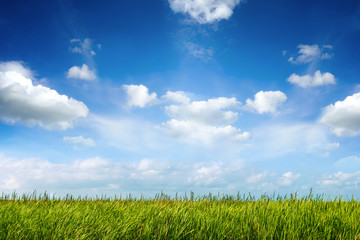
[{"x": 208, "y": 217}]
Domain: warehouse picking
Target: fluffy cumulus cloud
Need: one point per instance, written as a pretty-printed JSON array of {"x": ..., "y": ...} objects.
[
  {"x": 80, "y": 140},
  {"x": 209, "y": 112},
  {"x": 22, "y": 101},
  {"x": 205, "y": 11},
  {"x": 138, "y": 96},
  {"x": 311, "y": 53},
  {"x": 343, "y": 116},
  {"x": 266, "y": 102},
  {"x": 318, "y": 79},
  {"x": 203, "y": 122},
  {"x": 83, "y": 73}
]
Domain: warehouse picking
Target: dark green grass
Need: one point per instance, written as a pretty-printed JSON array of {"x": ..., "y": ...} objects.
[{"x": 208, "y": 217}]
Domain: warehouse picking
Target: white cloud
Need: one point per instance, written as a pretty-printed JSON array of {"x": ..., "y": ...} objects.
[
  {"x": 199, "y": 51},
  {"x": 202, "y": 122},
  {"x": 195, "y": 132},
  {"x": 80, "y": 140},
  {"x": 88, "y": 175},
  {"x": 205, "y": 11},
  {"x": 311, "y": 53},
  {"x": 266, "y": 102},
  {"x": 318, "y": 79},
  {"x": 21, "y": 101},
  {"x": 150, "y": 168},
  {"x": 178, "y": 96},
  {"x": 208, "y": 112},
  {"x": 215, "y": 174},
  {"x": 15, "y": 66},
  {"x": 92, "y": 163},
  {"x": 82, "y": 72},
  {"x": 206, "y": 174},
  {"x": 138, "y": 96},
  {"x": 83, "y": 47},
  {"x": 27, "y": 174},
  {"x": 343, "y": 116},
  {"x": 341, "y": 179},
  {"x": 288, "y": 178},
  {"x": 255, "y": 178}
]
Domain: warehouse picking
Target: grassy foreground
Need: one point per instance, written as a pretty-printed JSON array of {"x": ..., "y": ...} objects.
[{"x": 209, "y": 217}]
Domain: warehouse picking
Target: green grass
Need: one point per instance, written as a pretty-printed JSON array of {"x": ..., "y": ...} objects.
[{"x": 188, "y": 217}]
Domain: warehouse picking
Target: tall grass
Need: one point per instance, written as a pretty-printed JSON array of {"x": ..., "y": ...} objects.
[{"x": 39, "y": 216}]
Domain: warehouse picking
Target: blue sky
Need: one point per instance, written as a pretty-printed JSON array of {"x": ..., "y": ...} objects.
[{"x": 116, "y": 97}]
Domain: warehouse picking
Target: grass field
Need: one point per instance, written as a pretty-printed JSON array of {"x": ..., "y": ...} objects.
[{"x": 188, "y": 217}]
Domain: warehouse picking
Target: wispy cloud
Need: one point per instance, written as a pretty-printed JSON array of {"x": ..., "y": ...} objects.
[
  {"x": 341, "y": 179},
  {"x": 200, "y": 133},
  {"x": 80, "y": 140},
  {"x": 84, "y": 47},
  {"x": 281, "y": 139},
  {"x": 198, "y": 51},
  {"x": 288, "y": 178}
]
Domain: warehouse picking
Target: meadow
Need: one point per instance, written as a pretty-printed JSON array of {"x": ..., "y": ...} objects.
[{"x": 39, "y": 216}]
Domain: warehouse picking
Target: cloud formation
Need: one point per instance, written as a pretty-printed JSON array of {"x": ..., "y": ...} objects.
[
  {"x": 178, "y": 97},
  {"x": 83, "y": 47},
  {"x": 311, "y": 53},
  {"x": 288, "y": 178},
  {"x": 21, "y": 101},
  {"x": 204, "y": 122},
  {"x": 209, "y": 112},
  {"x": 83, "y": 73},
  {"x": 198, "y": 51},
  {"x": 138, "y": 96},
  {"x": 343, "y": 116},
  {"x": 33, "y": 173},
  {"x": 341, "y": 179},
  {"x": 318, "y": 79},
  {"x": 80, "y": 140},
  {"x": 266, "y": 102},
  {"x": 205, "y": 11},
  {"x": 195, "y": 132}
]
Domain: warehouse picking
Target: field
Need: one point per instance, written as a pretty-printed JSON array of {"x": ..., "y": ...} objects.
[{"x": 187, "y": 217}]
